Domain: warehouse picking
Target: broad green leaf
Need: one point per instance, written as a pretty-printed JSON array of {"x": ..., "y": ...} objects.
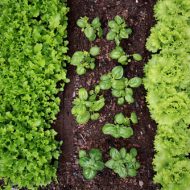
[
  {"x": 110, "y": 164},
  {"x": 96, "y": 22},
  {"x": 82, "y": 22},
  {"x": 89, "y": 174},
  {"x": 105, "y": 77},
  {"x": 112, "y": 24},
  {"x": 119, "y": 118},
  {"x": 109, "y": 129},
  {"x": 124, "y": 33},
  {"x": 119, "y": 20},
  {"x": 82, "y": 153},
  {"x": 95, "y": 116},
  {"x": 99, "y": 166},
  {"x": 77, "y": 58},
  {"x": 125, "y": 132},
  {"x": 114, "y": 153},
  {"x": 135, "y": 82},
  {"x": 117, "y": 72},
  {"x": 110, "y": 35},
  {"x": 95, "y": 50},
  {"x": 129, "y": 98},
  {"x": 129, "y": 91},
  {"x": 95, "y": 154},
  {"x": 118, "y": 84},
  {"x": 116, "y": 93},
  {"x": 83, "y": 118},
  {"x": 132, "y": 172},
  {"x": 121, "y": 101},
  {"x": 80, "y": 70},
  {"x": 98, "y": 105},
  {"x": 83, "y": 94},
  {"x": 121, "y": 171},
  {"x": 84, "y": 162},
  {"x": 133, "y": 152},
  {"x": 134, "y": 118},
  {"x": 115, "y": 54},
  {"x": 105, "y": 84},
  {"x": 123, "y": 60},
  {"x": 90, "y": 33},
  {"x": 123, "y": 153},
  {"x": 137, "y": 57}
]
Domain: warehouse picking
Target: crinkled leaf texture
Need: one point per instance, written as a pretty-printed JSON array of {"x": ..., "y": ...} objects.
[
  {"x": 167, "y": 80},
  {"x": 32, "y": 62}
]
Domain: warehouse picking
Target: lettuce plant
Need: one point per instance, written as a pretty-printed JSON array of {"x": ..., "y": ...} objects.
[
  {"x": 84, "y": 60},
  {"x": 121, "y": 127},
  {"x": 123, "y": 163},
  {"x": 118, "y": 30},
  {"x": 33, "y": 60},
  {"x": 121, "y": 87},
  {"x": 91, "y": 162},
  {"x": 122, "y": 58},
  {"x": 168, "y": 93},
  {"x": 87, "y": 105},
  {"x": 91, "y": 30}
]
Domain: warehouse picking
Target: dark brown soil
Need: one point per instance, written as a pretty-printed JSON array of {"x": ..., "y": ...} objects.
[{"x": 139, "y": 16}]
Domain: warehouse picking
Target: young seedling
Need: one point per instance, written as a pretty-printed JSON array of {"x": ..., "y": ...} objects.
[
  {"x": 91, "y": 30},
  {"x": 118, "y": 30},
  {"x": 121, "y": 87},
  {"x": 91, "y": 163},
  {"x": 121, "y": 127},
  {"x": 87, "y": 105},
  {"x": 84, "y": 60},
  {"x": 122, "y": 58},
  {"x": 123, "y": 163}
]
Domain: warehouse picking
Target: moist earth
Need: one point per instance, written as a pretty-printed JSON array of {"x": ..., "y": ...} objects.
[{"x": 139, "y": 16}]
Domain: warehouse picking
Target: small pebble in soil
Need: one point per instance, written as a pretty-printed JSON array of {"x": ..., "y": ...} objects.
[{"x": 141, "y": 183}]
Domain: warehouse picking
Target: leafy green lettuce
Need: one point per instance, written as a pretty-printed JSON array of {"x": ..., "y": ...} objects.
[
  {"x": 167, "y": 80},
  {"x": 32, "y": 61}
]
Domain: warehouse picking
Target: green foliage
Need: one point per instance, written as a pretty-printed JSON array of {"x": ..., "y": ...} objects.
[
  {"x": 32, "y": 59},
  {"x": 121, "y": 87},
  {"x": 83, "y": 60},
  {"x": 91, "y": 162},
  {"x": 121, "y": 126},
  {"x": 123, "y": 163},
  {"x": 119, "y": 54},
  {"x": 87, "y": 105},
  {"x": 168, "y": 84},
  {"x": 91, "y": 30},
  {"x": 118, "y": 30}
]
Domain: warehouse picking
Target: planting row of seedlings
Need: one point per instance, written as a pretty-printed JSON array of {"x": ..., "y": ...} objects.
[
  {"x": 33, "y": 71},
  {"x": 91, "y": 89},
  {"x": 88, "y": 104},
  {"x": 33, "y": 59},
  {"x": 168, "y": 84}
]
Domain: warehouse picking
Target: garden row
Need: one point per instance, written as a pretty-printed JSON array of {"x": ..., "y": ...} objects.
[
  {"x": 32, "y": 59},
  {"x": 168, "y": 84},
  {"x": 88, "y": 104}
]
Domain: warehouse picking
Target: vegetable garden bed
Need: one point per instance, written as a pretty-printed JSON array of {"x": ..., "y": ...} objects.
[
  {"x": 77, "y": 116},
  {"x": 139, "y": 17}
]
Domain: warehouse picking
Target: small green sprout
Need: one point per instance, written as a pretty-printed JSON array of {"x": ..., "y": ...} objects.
[
  {"x": 137, "y": 57},
  {"x": 121, "y": 87},
  {"x": 91, "y": 30},
  {"x": 87, "y": 105},
  {"x": 123, "y": 163},
  {"x": 91, "y": 162},
  {"x": 119, "y": 54},
  {"x": 121, "y": 127},
  {"x": 118, "y": 30},
  {"x": 83, "y": 60}
]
